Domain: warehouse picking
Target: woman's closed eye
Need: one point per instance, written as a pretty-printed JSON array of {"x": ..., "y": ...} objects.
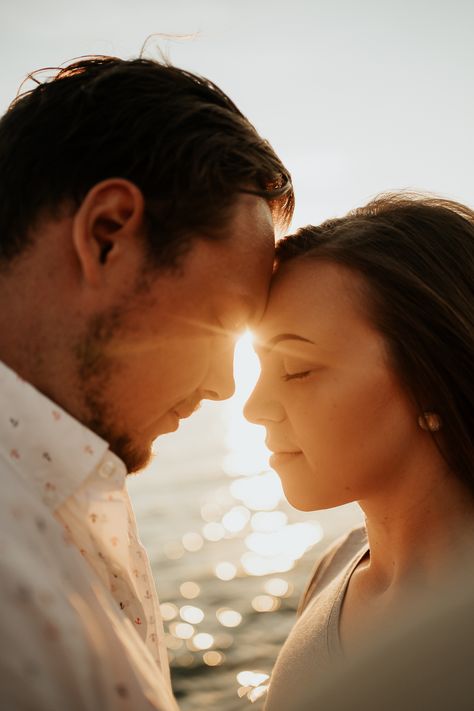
[
  {"x": 296, "y": 376},
  {"x": 294, "y": 368}
]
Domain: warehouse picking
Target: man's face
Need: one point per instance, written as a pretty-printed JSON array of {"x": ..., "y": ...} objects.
[{"x": 151, "y": 360}]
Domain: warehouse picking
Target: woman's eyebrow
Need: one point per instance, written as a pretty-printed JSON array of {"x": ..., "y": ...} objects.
[{"x": 267, "y": 347}]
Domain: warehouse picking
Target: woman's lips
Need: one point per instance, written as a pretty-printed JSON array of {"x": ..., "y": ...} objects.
[{"x": 279, "y": 458}]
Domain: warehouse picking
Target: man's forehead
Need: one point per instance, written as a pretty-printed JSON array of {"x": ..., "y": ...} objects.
[
  {"x": 229, "y": 273},
  {"x": 279, "y": 306},
  {"x": 252, "y": 307}
]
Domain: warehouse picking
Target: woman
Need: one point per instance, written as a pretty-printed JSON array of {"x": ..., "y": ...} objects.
[{"x": 366, "y": 393}]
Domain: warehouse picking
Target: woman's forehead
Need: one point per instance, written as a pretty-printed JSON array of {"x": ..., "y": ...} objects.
[
  {"x": 310, "y": 295},
  {"x": 321, "y": 284}
]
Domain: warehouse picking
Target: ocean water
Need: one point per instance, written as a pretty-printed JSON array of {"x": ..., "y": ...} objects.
[{"x": 229, "y": 555}]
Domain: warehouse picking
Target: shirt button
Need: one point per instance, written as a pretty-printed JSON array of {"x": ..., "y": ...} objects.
[
  {"x": 116, "y": 569},
  {"x": 107, "y": 469}
]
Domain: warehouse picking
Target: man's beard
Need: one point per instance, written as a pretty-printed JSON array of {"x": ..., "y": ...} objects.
[{"x": 95, "y": 368}]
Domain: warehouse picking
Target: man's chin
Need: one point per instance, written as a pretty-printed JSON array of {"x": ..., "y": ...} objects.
[
  {"x": 135, "y": 458},
  {"x": 137, "y": 461}
]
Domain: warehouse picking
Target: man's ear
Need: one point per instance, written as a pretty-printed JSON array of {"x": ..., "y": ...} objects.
[{"x": 105, "y": 227}]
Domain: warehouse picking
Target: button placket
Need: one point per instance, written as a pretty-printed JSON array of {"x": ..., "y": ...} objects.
[{"x": 107, "y": 469}]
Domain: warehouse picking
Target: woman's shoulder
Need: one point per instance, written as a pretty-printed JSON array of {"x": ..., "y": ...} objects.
[{"x": 333, "y": 561}]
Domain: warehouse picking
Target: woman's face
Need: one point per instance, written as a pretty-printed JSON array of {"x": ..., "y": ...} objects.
[{"x": 339, "y": 422}]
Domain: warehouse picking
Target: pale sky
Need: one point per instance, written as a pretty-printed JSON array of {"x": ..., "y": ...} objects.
[{"x": 357, "y": 96}]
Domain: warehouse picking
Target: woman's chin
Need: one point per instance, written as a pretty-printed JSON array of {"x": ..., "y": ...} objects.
[
  {"x": 298, "y": 497},
  {"x": 303, "y": 499},
  {"x": 300, "y": 505}
]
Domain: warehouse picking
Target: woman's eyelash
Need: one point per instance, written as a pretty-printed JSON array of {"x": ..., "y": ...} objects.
[{"x": 296, "y": 376}]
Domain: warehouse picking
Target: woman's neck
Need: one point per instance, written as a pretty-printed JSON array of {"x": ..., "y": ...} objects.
[{"x": 419, "y": 529}]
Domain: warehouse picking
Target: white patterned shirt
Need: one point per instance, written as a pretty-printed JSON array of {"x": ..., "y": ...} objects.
[{"x": 80, "y": 627}]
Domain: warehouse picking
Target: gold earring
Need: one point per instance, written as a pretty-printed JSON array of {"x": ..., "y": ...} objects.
[{"x": 430, "y": 422}]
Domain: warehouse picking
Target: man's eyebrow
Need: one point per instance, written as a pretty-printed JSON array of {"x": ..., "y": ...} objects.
[{"x": 267, "y": 347}]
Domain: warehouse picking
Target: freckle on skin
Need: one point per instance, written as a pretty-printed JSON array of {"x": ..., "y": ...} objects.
[
  {"x": 40, "y": 524},
  {"x": 23, "y": 594},
  {"x": 122, "y": 691},
  {"x": 51, "y": 632}
]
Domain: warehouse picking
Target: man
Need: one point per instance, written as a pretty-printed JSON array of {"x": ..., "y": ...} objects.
[{"x": 136, "y": 238}]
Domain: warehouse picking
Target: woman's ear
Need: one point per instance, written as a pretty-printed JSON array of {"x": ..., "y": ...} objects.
[{"x": 106, "y": 227}]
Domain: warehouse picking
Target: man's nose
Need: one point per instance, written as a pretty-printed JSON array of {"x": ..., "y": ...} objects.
[{"x": 219, "y": 383}]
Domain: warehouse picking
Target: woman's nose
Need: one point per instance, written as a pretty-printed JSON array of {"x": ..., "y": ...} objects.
[{"x": 262, "y": 406}]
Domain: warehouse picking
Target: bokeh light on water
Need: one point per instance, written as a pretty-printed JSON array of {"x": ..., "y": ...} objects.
[{"x": 229, "y": 554}]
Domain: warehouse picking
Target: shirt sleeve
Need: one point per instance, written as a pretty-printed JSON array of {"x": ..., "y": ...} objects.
[
  {"x": 53, "y": 654},
  {"x": 44, "y": 661}
]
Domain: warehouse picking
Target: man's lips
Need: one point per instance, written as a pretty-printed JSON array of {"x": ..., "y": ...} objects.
[{"x": 184, "y": 411}]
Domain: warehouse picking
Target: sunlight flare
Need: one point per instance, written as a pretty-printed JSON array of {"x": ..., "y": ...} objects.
[{"x": 248, "y": 454}]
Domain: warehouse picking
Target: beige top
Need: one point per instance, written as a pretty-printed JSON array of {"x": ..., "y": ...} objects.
[{"x": 314, "y": 643}]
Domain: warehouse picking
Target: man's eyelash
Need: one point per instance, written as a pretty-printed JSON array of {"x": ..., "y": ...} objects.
[{"x": 296, "y": 376}]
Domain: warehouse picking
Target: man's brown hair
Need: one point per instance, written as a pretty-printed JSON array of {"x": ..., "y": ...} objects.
[{"x": 174, "y": 134}]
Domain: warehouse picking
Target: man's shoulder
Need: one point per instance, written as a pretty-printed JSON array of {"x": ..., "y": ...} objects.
[
  {"x": 25, "y": 520},
  {"x": 44, "y": 605},
  {"x": 36, "y": 553}
]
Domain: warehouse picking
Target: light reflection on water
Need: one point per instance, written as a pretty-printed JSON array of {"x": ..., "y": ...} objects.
[
  {"x": 189, "y": 590},
  {"x": 229, "y": 618},
  {"x": 219, "y": 533},
  {"x": 260, "y": 492}
]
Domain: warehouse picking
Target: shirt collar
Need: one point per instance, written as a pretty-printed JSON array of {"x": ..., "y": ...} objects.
[{"x": 50, "y": 449}]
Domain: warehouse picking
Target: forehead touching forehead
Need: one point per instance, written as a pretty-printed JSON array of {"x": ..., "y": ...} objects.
[{"x": 240, "y": 261}]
